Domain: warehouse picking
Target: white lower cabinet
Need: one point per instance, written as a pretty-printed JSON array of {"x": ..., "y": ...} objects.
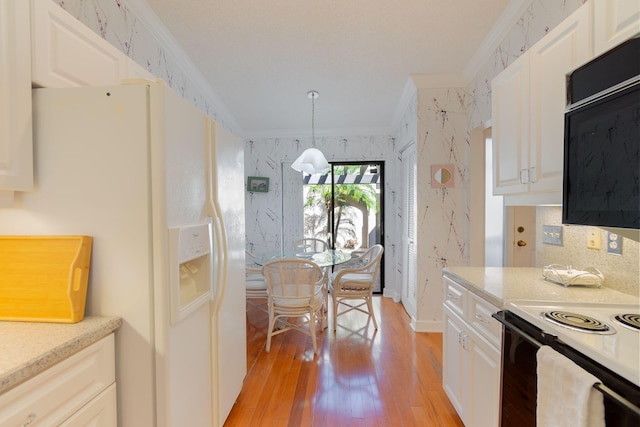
[
  {"x": 78, "y": 391},
  {"x": 100, "y": 412},
  {"x": 471, "y": 356}
]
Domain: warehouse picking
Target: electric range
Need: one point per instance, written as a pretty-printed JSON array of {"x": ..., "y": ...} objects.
[{"x": 610, "y": 340}]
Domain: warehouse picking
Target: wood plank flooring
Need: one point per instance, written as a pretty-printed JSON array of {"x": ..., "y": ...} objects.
[{"x": 360, "y": 377}]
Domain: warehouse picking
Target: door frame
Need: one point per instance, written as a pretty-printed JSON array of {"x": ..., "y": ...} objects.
[{"x": 381, "y": 170}]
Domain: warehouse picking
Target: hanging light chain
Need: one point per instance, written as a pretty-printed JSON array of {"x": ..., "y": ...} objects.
[
  {"x": 313, "y": 120},
  {"x": 313, "y": 95}
]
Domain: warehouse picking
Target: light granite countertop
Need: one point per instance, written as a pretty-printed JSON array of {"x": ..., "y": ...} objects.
[
  {"x": 501, "y": 284},
  {"x": 28, "y": 348}
]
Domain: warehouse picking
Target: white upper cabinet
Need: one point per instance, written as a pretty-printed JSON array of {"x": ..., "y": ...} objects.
[
  {"x": 66, "y": 53},
  {"x": 510, "y": 109},
  {"x": 43, "y": 45},
  {"x": 16, "y": 152},
  {"x": 614, "y": 21},
  {"x": 564, "y": 49},
  {"x": 528, "y": 102}
]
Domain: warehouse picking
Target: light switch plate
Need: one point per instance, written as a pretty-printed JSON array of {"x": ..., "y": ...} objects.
[
  {"x": 593, "y": 238},
  {"x": 552, "y": 234}
]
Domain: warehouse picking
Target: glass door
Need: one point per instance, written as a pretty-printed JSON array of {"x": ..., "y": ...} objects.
[{"x": 345, "y": 207}]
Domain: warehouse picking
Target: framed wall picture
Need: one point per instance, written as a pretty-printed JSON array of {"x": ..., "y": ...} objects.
[{"x": 258, "y": 184}]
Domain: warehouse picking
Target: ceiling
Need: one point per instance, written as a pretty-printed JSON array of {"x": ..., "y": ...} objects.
[{"x": 261, "y": 57}]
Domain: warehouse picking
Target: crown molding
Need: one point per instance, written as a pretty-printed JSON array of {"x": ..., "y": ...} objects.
[
  {"x": 501, "y": 28},
  {"x": 408, "y": 93},
  {"x": 150, "y": 20},
  {"x": 423, "y": 81}
]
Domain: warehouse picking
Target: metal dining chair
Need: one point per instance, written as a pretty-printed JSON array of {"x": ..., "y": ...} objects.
[
  {"x": 356, "y": 283},
  {"x": 295, "y": 289}
]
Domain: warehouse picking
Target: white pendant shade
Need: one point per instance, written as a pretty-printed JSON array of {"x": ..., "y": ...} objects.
[{"x": 311, "y": 161}]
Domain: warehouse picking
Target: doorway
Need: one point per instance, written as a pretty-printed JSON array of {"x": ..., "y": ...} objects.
[
  {"x": 521, "y": 236},
  {"x": 346, "y": 208}
]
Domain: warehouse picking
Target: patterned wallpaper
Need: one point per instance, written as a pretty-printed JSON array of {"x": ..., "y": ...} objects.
[{"x": 443, "y": 213}]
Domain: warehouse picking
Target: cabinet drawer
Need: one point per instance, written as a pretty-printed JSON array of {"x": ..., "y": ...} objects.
[
  {"x": 479, "y": 317},
  {"x": 100, "y": 412},
  {"x": 454, "y": 296},
  {"x": 52, "y": 396}
]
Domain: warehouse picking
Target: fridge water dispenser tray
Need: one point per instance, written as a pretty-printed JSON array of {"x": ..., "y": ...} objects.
[{"x": 190, "y": 269}]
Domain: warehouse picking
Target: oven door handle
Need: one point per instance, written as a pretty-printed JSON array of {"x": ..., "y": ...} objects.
[{"x": 621, "y": 400}]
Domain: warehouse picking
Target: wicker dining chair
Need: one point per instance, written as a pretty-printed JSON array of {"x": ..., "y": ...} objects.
[
  {"x": 295, "y": 288},
  {"x": 255, "y": 283},
  {"x": 356, "y": 284}
]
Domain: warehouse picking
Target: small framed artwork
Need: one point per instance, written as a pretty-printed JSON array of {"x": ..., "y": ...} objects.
[
  {"x": 441, "y": 176},
  {"x": 258, "y": 184}
]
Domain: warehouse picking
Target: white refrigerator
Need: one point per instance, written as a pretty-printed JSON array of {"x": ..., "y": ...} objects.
[{"x": 160, "y": 189}]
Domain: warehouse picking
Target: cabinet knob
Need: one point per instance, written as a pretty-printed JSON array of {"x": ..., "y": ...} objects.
[
  {"x": 481, "y": 319},
  {"x": 452, "y": 296}
]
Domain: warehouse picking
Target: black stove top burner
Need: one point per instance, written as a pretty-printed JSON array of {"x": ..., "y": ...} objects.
[
  {"x": 577, "y": 322},
  {"x": 629, "y": 320}
]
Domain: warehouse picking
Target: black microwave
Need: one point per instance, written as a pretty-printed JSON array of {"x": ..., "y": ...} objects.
[{"x": 602, "y": 141}]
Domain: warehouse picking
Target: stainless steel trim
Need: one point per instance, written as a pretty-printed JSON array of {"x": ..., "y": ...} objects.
[
  {"x": 607, "y": 92},
  {"x": 615, "y": 396}
]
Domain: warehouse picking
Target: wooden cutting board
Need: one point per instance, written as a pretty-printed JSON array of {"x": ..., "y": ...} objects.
[{"x": 44, "y": 278}]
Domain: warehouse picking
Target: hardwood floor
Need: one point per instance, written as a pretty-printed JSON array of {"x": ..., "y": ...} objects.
[{"x": 360, "y": 377}]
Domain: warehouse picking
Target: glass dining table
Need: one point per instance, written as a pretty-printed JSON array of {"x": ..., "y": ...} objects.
[{"x": 325, "y": 260}]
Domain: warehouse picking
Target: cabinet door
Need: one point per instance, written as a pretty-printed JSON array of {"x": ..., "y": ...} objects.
[
  {"x": 16, "y": 143},
  {"x": 562, "y": 50},
  {"x": 65, "y": 53},
  {"x": 454, "y": 367},
  {"x": 484, "y": 402},
  {"x": 614, "y": 21},
  {"x": 52, "y": 396},
  {"x": 99, "y": 412},
  {"x": 510, "y": 101}
]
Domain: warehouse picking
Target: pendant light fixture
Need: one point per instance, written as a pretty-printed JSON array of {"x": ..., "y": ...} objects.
[{"x": 312, "y": 161}]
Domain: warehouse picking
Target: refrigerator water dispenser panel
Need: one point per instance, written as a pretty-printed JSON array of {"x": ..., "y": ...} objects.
[{"x": 191, "y": 267}]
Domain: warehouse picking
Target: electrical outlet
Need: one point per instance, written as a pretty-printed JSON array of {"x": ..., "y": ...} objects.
[
  {"x": 614, "y": 244},
  {"x": 593, "y": 238},
  {"x": 552, "y": 234}
]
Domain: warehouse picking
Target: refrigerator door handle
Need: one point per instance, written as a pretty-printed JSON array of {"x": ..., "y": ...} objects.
[
  {"x": 220, "y": 238},
  {"x": 220, "y": 235}
]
